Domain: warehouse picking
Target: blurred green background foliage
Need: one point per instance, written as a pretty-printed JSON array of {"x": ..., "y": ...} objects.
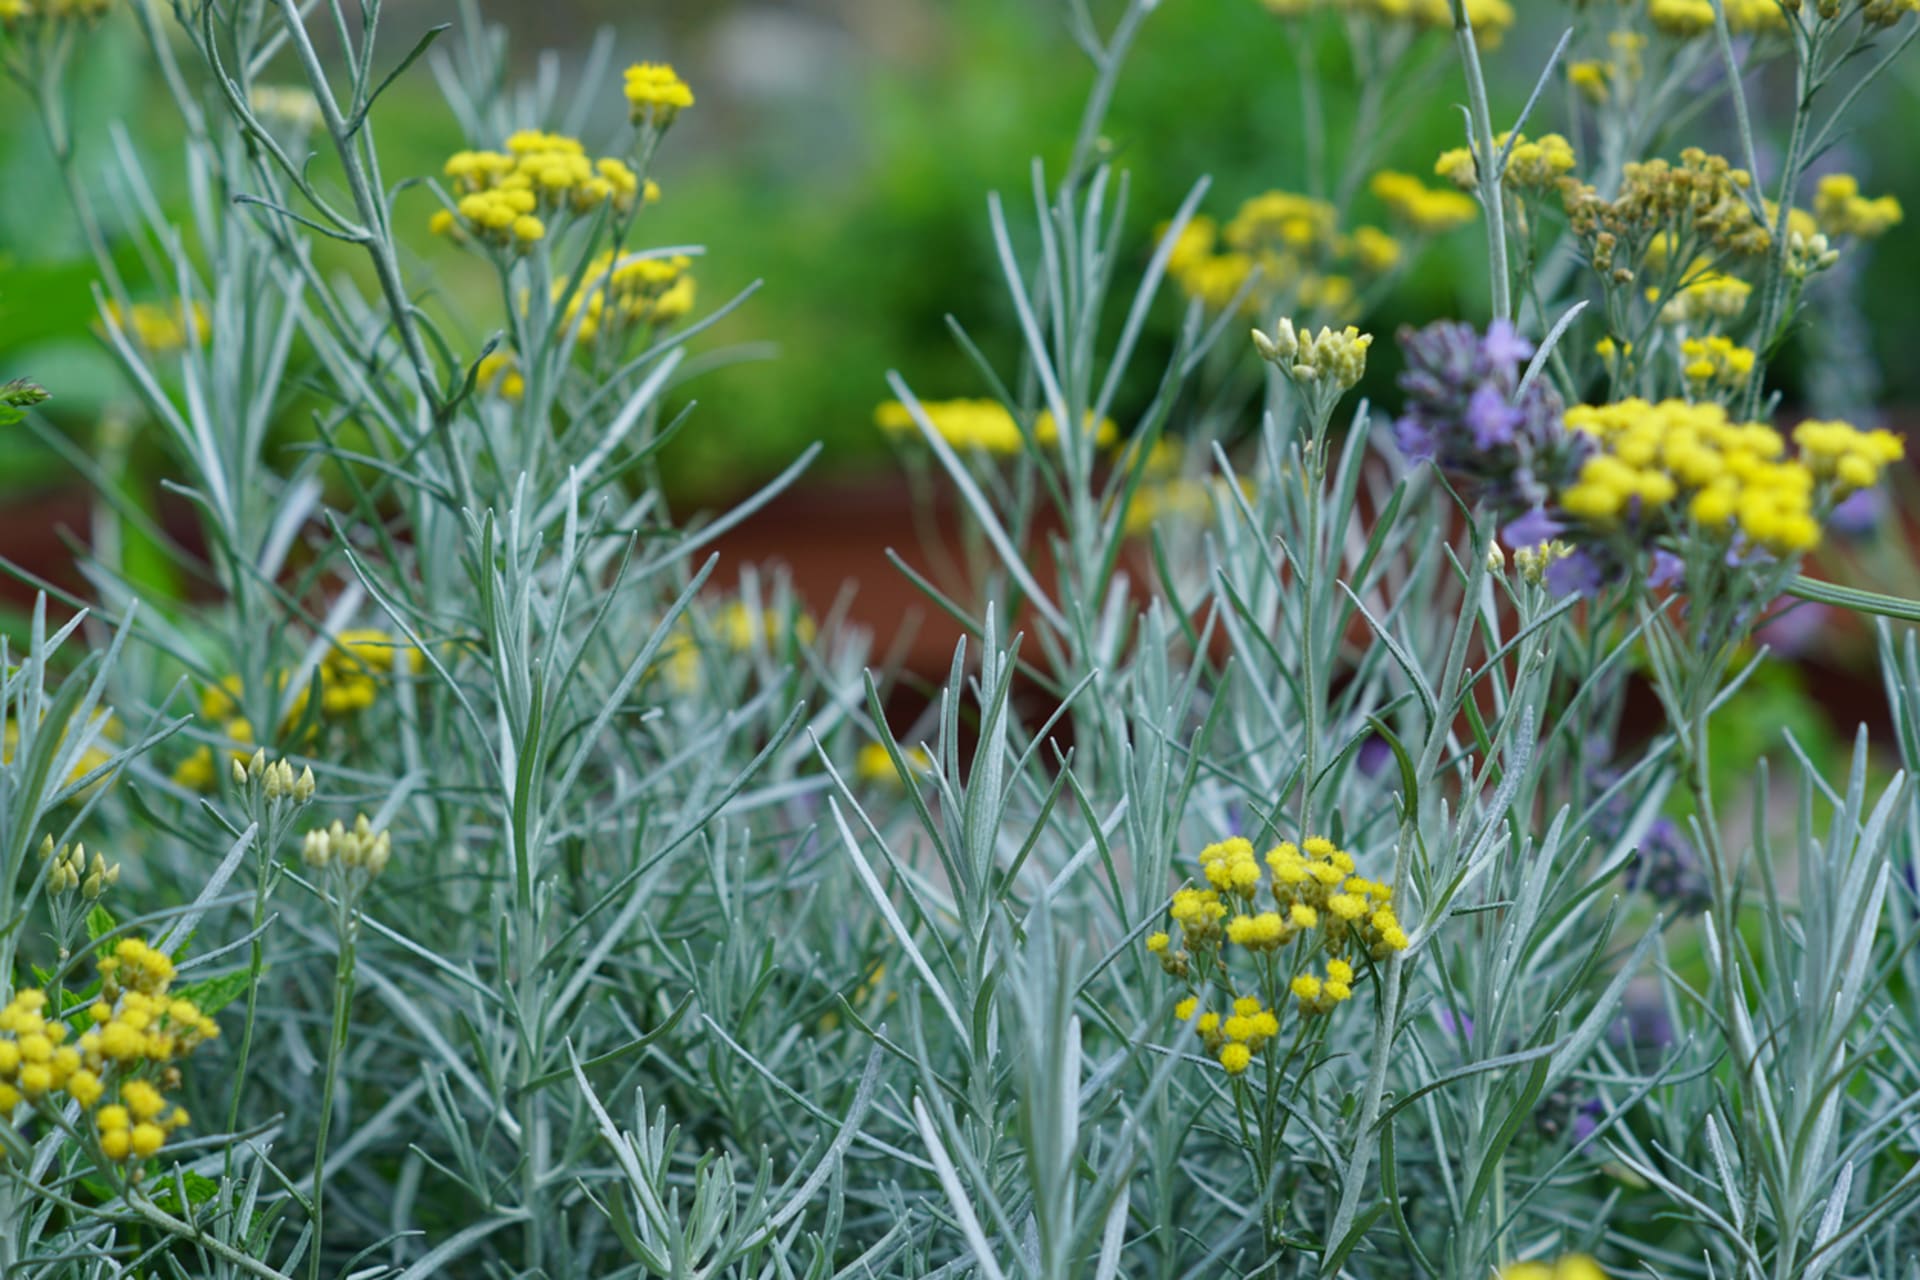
[{"x": 841, "y": 152}]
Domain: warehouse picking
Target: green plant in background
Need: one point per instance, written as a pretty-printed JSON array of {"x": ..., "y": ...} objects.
[{"x": 1324, "y": 920}]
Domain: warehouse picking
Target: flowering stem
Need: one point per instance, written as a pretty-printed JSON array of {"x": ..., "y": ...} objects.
[
  {"x": 1773, "y": 295},
  {"x": 256, "y": 962},
  {"x": 375, "y": 236},
  {"x": 336, "y": 1049},
  {"x": 1486, "y": 154}
]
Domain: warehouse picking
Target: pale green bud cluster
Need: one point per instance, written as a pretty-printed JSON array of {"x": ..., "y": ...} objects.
[
  {"x": 71, "y": 870},
  {"x": 276, "y": 778},
  {"x": 1328, "y": 358},
  {"x": 358, "y": 847}
]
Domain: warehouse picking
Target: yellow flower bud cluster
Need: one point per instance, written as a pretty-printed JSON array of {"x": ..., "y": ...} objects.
[
  {"x": 620, "y": 297},
  {"x": 276, "y": 778},
  {"x": 508, "y": 197},
  {"x": 656, "y": 93},
  {"x": 1700, "y": 202},
  {"x": 354, "y": 848},
  {"x": 1422, "y": 209},
  {"x": 1533, "y": 562},
  {"x": 1842, "y": 211},
  {"x": 1261, "y": 906},
  {"x": 1537, "y": 164},
  {"x": 1885, "y": 13},
  {"x": 1326, "y": 358},
  {"x": 70, "y": 870},
  {"x": 15, "y": 14},
  {"x": 1715, "y": 363},
  {"x": 159, "y": 330},
  {"x": 983, "y": 425},
  {"x": 1675, "y": 465}
]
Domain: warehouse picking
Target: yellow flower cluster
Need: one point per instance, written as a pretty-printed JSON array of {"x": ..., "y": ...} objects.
[
  {"x": 739, "y": 630},
  {"x": 620, "y": 297},
  {"x": 499, "y": 372},
  {"x": 1424, "y": 210},
  {"x": 1574, "y": 1266},
  {"x": 16, "y": 13},
  {"x": 656, "y": 93},
  {"x": 1702, "y": 296},
  {"x": 1296, "y": 246},
  {"x": 160, "y": 330},
  {"x": 135, "y": 1028},
  {"x": 1326, "y": 358},
  {"x": 352, "y": 673},
  {"x": 507, "y": 197},
  {"x": 1535, "y": 164},
  {"x": 90, "y": 759},
  {"x": 1491, "y": 19},
  {"x": 1715, "y": 362},
  {"x": 1733, "y": 477},
  {"x": 1596, "y": 80},
  {"x": 984, "y": 425},
  {"x": 1175, "y": 500},
  {"x": 1310, "y": 889},
  {"x": 1684, "y": 19},
  {"x": 1843, "y": 453},
  {"x": 290, "y": 105},
  {"x": 875, "y": 765},
  {"x": 1842, "y": 211},
  {"x": 1237, "y": 1037},
  {"x": 34, "y": 1057}
]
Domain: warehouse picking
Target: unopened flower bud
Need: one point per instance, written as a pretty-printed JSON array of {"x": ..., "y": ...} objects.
[{"x": 303, "y": 785}]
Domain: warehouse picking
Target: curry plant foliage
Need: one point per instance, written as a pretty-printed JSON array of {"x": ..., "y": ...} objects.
[{"x": 1312, "y": 862}]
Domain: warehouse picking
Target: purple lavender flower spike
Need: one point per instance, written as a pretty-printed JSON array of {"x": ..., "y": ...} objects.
[
  {"x": 1491, "y": 419},
  {"x": 1858, "y": 513},
  {"x": 1530, "y": 530},
  {"x": 1504, "y": 346},
  {"x": 1577, "y": 575},
  {"x": 1668, "y": 570}
]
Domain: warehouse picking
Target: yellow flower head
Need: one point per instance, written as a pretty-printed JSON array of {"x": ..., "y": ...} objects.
[{"x": 656, "y": 94}]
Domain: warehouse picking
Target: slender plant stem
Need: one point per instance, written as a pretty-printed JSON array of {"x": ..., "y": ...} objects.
[{"x": 336, "y": 1049}]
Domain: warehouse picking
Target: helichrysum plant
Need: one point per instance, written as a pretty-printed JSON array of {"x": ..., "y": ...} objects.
[{"x": 1315, "y": 861}]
